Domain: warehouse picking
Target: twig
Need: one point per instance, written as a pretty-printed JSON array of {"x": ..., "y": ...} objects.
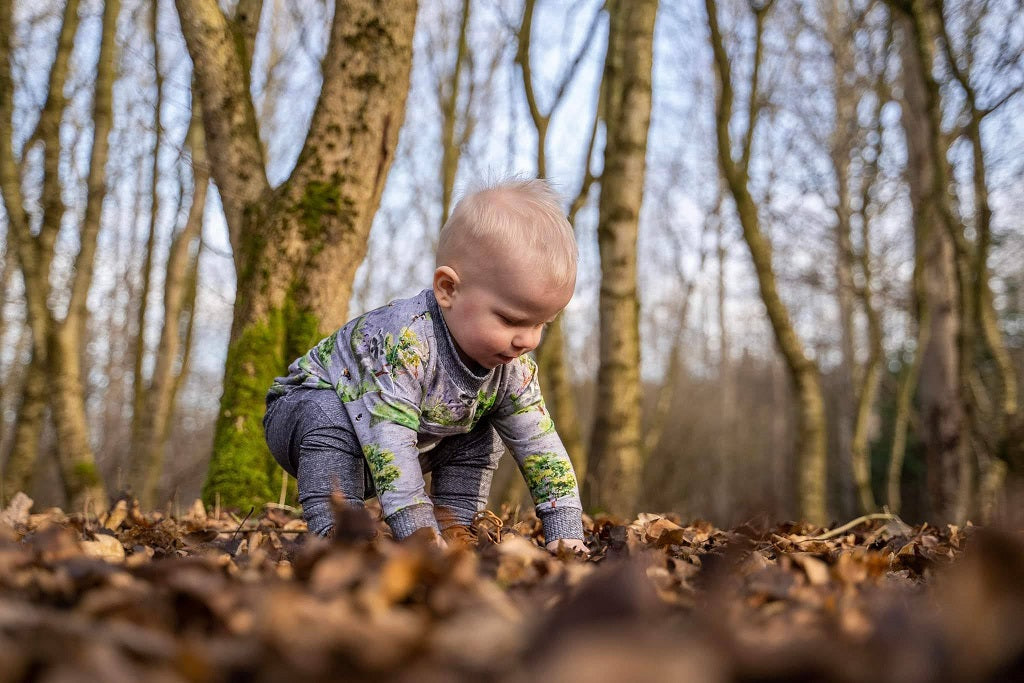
[
  {"x": 249, "y": 514},
  {"x": 888, "y": 516}
]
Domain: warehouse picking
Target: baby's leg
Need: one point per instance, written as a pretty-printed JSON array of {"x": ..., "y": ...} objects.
[
  {"x": 310, "y": 434},
  {"x": 461, "y": 473}
]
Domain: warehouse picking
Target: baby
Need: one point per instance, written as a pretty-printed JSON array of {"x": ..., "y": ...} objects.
[{"x": 441, "y": 382}]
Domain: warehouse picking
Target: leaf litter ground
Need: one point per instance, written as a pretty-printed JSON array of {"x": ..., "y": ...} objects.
[{"x": 128, "y": 596}]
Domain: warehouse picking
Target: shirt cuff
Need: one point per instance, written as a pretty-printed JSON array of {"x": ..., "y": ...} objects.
[
  {"x": 407, "y": 520},
  {"x": 562, "y": 522}
]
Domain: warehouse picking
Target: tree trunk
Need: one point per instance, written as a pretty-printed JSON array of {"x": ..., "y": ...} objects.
[
  {"x": 139, "y": 463},
  {"x": 941, "y": 402},
  {"x": 28, "y": 431},
  {"x": 158, "y": 406},
  {"x": 58, "y": 344},
  {"x": 981, "y": 291},
  {"x": 870, "y": 378},
  {"x": 726, "y": 380},
  {"x": 841, "y": 146},
  {"x": 858, "y": 385},
  {"x": 803, "y": 372},
  {"x": 82, "y": 481},
  {"x": 616, "y": 447},
  {"x": 297, "y": 246}
]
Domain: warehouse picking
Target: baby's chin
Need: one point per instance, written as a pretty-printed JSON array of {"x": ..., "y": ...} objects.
[{"x": 495, "y": 361}]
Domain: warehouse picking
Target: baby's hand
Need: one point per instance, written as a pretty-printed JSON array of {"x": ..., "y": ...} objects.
[
  {"x": 573, "y": 544},
  {"x": 427, "y": 536}
]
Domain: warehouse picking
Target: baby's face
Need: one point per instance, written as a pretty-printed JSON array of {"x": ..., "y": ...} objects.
[{"x": 498, "y": 311}]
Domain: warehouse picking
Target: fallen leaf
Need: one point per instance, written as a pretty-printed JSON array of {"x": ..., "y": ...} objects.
[
  {"x": 105, "y": 547},
  {"x": 16, "y": 512}
]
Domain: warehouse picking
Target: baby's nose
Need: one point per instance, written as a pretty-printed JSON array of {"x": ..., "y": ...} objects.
[{"x": 527, "y": 339}]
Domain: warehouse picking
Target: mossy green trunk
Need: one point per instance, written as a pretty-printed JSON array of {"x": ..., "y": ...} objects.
[
  {"x": 242, "y": 470},
  {"x": 296, "y": 246}
]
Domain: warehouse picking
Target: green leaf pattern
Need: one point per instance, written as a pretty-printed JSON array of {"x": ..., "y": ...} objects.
[
  {"x": 324, "y": 349},
  {"x": 440, "y": 413},
  {"x": 549, "y": 476},
  {"x": 382, "y": 467},
  {"x": 396, "y": 413},
  {"x": 484, "y": 404}
]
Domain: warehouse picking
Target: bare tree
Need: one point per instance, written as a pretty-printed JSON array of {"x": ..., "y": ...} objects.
[
  {"x": 991, "y": 427},
  {"x": 59, "y": 342},
  {"x": 858, "y": 382},
  {"x": 803, "y": 371}
]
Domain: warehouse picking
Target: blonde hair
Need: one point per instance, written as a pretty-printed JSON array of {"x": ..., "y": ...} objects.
[{"x": 513, "y": 214}]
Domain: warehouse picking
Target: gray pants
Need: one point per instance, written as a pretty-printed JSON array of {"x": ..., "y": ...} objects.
[{"x": 311, "y": 437}]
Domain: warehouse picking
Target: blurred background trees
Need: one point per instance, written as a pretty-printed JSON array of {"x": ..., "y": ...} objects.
[{"x": 823, "y": 212}]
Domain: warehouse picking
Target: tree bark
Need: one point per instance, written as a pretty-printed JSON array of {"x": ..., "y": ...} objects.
[
  {"x": 297, "y": 246},
  {"x": 803, "y": 372},
  {"x": 28, "y": 431},
  {"x": 941, "y": 402},
  {"x": 616, "y": 446}
]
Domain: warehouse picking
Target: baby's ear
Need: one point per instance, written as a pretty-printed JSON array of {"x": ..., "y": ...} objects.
[{"x": 446, "y": 281}]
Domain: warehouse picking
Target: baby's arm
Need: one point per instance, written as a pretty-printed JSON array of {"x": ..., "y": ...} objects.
[
  {"x": 383, "y": 404},
  {"x": 387, "y": 428},
  {"x": 523, "y": 422}
]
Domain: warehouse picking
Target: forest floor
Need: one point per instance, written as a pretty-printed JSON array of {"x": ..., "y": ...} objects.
[{"x": 126, "y": 596}]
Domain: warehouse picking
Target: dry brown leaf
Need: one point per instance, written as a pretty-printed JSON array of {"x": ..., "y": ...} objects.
[
  {"x": 105, "y": 547},
  {"x": 112, "y": 520},
  {"x": 16, "y": 512},
  {"x": 817, "y": 571}
]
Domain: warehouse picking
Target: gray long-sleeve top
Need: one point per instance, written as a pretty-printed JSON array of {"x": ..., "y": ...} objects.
[{"x": 399, "y": 376}]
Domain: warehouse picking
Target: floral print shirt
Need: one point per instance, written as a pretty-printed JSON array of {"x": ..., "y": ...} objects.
[{"x": 400, "y": 378}]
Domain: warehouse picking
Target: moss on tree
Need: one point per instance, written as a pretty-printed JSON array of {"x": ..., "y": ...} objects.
[
  {"x": 86, "y": 475},
  {"x": 242, "y": 470}
]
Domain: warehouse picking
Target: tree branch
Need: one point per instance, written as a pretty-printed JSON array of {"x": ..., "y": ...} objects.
[
  {"x": 244, "y": 26},
  {"x": 574, "y": 66},
  {"x": 723, "y": 104},
  {"x": 229, "y": 118},
  {"x": 752, "y": 106},
  {"x": 359, "y": 65}
]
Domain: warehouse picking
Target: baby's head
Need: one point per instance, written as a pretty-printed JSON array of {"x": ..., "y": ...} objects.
[{"x": 506, "y": 266}]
